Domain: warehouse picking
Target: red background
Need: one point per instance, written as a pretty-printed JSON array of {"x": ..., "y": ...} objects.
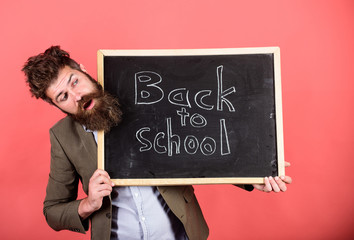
[{"x": 317, "y": 48}]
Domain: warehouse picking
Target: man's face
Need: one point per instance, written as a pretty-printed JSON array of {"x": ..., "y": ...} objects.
[
  {"x": 68, "y": 89},
  {"x": 83, "y": 99}
]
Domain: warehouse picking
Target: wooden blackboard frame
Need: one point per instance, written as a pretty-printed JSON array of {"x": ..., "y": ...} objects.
[{"x": 101, "y": 54}]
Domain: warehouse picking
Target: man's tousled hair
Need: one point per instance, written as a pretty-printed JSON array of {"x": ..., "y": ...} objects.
[{"x": 42, "y": 69}]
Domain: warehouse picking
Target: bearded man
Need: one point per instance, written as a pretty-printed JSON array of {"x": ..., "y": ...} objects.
[{"x": 114, "y": 212}]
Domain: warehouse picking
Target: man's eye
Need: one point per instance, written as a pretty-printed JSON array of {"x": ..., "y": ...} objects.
[
  {"x": 75, "y": 82},
  {"x": 65, "y": 97}
]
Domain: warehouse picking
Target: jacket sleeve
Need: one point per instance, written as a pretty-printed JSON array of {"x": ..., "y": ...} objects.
[{"x": 61, "y": 205}]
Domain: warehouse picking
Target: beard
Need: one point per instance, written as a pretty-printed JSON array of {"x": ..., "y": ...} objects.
[{"x": 104, "y": 115}]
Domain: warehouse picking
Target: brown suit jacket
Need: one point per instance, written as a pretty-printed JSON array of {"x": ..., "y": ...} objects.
[{"x": 74, "y": 159}]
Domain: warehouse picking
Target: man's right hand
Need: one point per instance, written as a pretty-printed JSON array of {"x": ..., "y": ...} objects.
[{"x": 100, "y": 186}]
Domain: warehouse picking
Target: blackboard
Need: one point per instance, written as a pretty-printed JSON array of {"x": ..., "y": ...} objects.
[{"x": 200, "y": 116}]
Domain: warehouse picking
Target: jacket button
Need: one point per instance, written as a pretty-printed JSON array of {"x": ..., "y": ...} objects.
[{"x": 108, "y": 215}]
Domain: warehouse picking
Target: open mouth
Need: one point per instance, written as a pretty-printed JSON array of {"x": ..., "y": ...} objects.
[{"x": 88, "y": 105}]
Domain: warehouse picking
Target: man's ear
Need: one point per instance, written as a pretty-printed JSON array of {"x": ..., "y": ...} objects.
[{"x": 82, "y": 67}]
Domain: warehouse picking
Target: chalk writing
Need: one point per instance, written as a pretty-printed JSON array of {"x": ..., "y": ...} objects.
[{"x": 168, "y": 141}]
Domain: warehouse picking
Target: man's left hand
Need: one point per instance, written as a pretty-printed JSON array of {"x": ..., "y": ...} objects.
[{"x": 274, "y": 184}]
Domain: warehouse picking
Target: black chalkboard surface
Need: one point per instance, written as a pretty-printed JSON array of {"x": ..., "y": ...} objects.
[{"x": 193, "y": 116}]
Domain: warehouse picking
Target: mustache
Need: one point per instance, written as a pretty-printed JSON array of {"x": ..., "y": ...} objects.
[{"x": 86, "y": 100}]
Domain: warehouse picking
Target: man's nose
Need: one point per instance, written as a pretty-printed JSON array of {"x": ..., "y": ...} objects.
[{"x": 76, "y": 95}]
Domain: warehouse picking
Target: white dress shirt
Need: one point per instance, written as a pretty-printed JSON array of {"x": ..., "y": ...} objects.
[{"x": 141, "y": 213}]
